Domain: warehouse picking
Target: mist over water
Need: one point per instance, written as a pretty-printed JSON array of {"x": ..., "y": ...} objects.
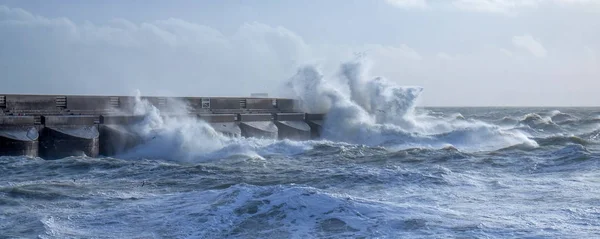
[{"x": 384, "y": 168}]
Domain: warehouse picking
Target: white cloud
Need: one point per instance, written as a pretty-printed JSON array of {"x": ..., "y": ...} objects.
[
  {"x": 174, "y": 56},
  {"x": 528, "y": 43},
  {"x": 408, "y": 3},
  {"x": 492, "y": 6},
  {"x": 165, "y": 57},
  {"x": 170, "y": 56},
  {"x": 495, "y": 6},
  {"x": 578, "y": 1}
]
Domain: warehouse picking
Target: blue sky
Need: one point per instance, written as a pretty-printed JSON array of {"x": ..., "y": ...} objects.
[{"x": 462, "y": 52}]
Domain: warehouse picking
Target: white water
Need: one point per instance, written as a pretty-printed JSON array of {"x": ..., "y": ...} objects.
[{"x": 361, "y": 109}]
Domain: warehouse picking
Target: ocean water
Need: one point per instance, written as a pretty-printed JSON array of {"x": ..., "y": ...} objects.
[{"x": 383, "y": 169}]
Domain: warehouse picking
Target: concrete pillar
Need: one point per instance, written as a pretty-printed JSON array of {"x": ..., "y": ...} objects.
[
  {"x": 69, "y": 135},
  {"x": 18, "y": 136},
  {"x": 292, "y": 126},
  {"x": 315, "y": 121},
  {"x": 116, "y": 135},
  {"x": 258, "y": 126},
  {"x": 223, "y": 123}
]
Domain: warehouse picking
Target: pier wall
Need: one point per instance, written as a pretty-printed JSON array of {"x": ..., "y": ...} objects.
[{"x": 57, "y": 126}]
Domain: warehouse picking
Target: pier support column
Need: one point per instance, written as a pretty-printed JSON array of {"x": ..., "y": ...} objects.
[
  {"x": 315, "y": 121},
  {"x": 69, "y": 135},
  {"x": 223, "y": 123},
  {"x": 18, "y": 136},
  {"x": 292, "y": 126},
  {"x": 116, "y": 135},
  {"x": 258, "y": 126}
]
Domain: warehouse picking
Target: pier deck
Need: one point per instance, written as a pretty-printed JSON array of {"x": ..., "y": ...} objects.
[{"x": 56, "y": 126}]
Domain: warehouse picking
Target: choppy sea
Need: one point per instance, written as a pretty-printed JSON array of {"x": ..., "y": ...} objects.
[{"x": 483, "y": 173}]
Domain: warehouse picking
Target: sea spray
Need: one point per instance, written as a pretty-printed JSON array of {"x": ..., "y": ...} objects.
[
  {"x": 372, "y": 111},
  {"x": 377, "y": 112},
  {"x": 181, "y": 137}
]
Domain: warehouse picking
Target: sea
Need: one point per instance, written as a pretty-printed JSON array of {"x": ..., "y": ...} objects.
[{"x": 383, "y": 168}]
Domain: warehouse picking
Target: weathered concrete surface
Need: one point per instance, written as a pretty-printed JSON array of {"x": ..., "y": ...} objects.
[
  {"x": 18, "y": 136},
  {"x": 292, "y": 126},
  {"x": 258, "y": 126},
  {"x": 121, "y": 119},
  {"x": 65, "y": 136},
  {"x": 259, "y": 129},
  {"x": 31, "y": 102},
  {"x": 315, "y": 121},
  {"x": 223, "y": 123},
  {"x": 99, "y": 105},
  {"x": 89, "y": 103},
  {"x": 116, "y": 134},
  {"x": 230, "y": 129},
  {"x": 286, "y": 105},
  {"x": 71, "y": 125},
  {"x": 295, "y": 130},
  {"x": 215, "y": 118},
  {"x": 116, "y": 139},
  {"x": 225, "y": 103},
  {"x": 260, "y": 104}
]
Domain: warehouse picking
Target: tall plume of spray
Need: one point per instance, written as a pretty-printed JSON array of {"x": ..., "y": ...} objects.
[
  {"x": 375, "y": 111},
  {"x": 183, "y": 138},
  {"x": 360, "y": 109}
]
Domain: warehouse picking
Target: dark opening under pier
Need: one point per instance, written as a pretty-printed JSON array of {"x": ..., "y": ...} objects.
[{"x": 57, "y": 126}]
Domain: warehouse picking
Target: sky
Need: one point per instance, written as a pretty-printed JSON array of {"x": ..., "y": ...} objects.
[{"x": 462, "y": 52}]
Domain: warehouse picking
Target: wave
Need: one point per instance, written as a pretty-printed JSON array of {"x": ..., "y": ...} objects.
[
  {"x": 592, "y": 136},
  {"x": 561, "y": 140},
  {"x": 188, "y": 139},
  {"x": 535, "y": 121},
  {"x": 240, "y": 211},
  {"x": 580, "y": 122},
  {"x": 559, "y": 117},
  {"x": 375, "y": 111},
  {"x": 507, "y": 121},
  {"x": 574, "y": 157},
  {"x": 360, "y": 109}
]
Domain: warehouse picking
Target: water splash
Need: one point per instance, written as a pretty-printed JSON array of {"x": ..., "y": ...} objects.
[{"x": 375, "y": 111}]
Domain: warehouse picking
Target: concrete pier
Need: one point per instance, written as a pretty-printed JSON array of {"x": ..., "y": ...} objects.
[
  {"x": 292, "y": 126},
  {"x": 223, "y": 123},
  {"x": 57, "y": 126},
  {"x": 117, "y": 135},
  {"x": 69, "y": 135},
  {"x": 18, "y": 136},
  {"x": 315, "y": 121},
  {"x": 258, "y": 126}
]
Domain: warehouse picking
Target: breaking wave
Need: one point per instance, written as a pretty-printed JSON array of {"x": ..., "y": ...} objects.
[
  {"x": 362, "y": 110},
  {"x": 374, "y": 111},
  {"x": 188, "y": 139}
]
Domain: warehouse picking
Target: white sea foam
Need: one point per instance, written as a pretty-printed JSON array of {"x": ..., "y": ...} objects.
[
  {"x": 185, "y": 138},
  {"x": 361, "y": 109},
  {"x": 376, "y": 111}
]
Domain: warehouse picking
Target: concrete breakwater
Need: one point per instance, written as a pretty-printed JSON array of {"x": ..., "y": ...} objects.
[{"x": 57, "y": 126}]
